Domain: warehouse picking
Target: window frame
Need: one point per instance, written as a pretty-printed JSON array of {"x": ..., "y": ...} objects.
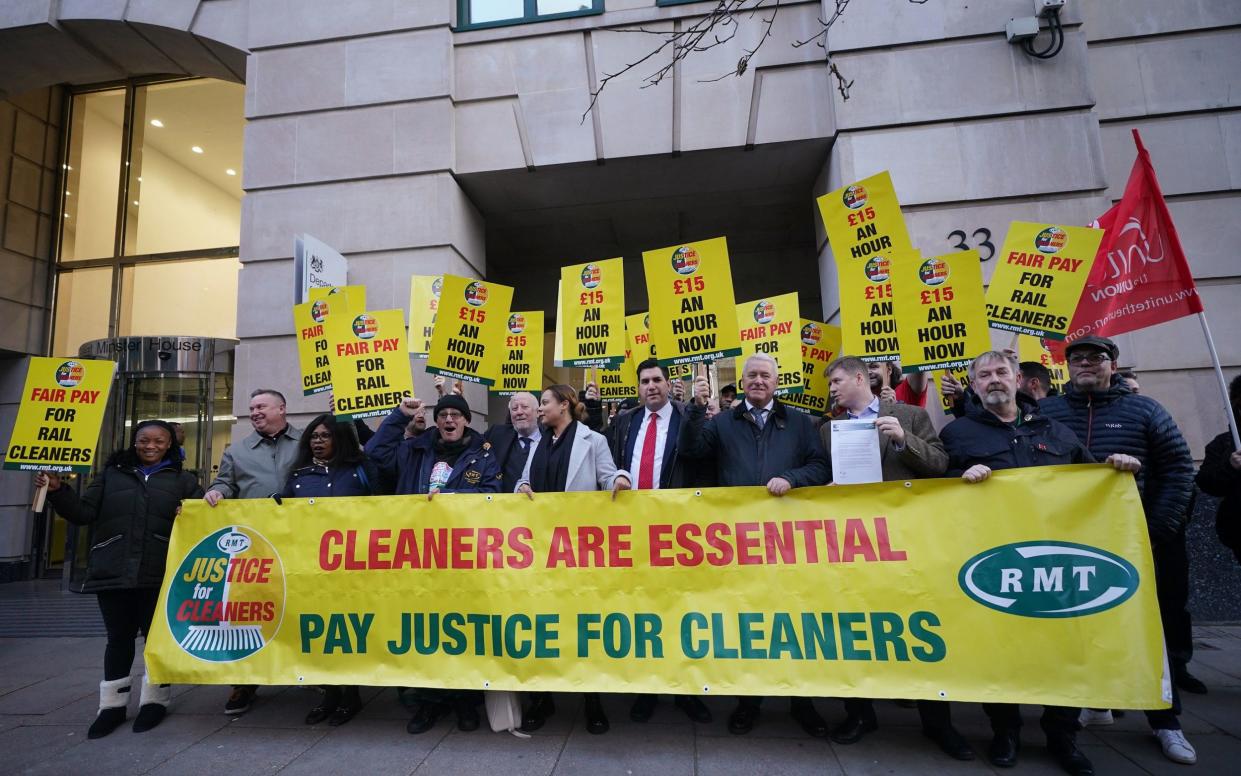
[
  {"x": 530, "y": 15},
  {"x": 119, "y": 259}
]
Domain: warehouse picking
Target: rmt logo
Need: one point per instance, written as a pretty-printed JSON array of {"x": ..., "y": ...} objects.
[{"x": 1048, "y": 579}]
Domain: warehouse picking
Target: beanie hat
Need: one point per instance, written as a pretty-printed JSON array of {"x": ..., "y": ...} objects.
[{"x": 453, "y": 402}]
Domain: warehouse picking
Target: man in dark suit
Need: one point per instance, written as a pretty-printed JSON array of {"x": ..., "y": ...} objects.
[
  {"x": 909, "y": 449},
  {"x": 644, "y": 442},
  {"x": 512, "y": 442}
]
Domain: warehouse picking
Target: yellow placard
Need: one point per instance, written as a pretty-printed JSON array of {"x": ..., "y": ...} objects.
[
  {"x": 828, "y": 591},
  {"x": 773, "y": 326},
  {"x": 867, "y": 316},
  {"x": 1035, "y": 349},
  {"x": 638, "y": 336},
  {"x": 864, "y": 219},
  {"x": 355, "y": 296},
  {"x": 690, "y": 288},
  {"x": 468, "y": 340},
  {"x": 62, "y": 409},
  {"x": 424, "y": 300},
  {"x": 522, "y": 368},
  {"x": 940, "y": 311},
  {"x": 557, "y": 339},
  {"x": 962, "y": 376},
  {"x": 593, "y": 308},
  {"x": 619, "y": 382},
  {"x": 820, "y": 346},
  {"x": 370, "y": 363},
  {"x": 310, "y": 323},
  {"x": 1040, "y": 276}
]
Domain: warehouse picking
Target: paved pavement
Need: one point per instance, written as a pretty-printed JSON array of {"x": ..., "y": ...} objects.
[{"x": 48, "y": 696}]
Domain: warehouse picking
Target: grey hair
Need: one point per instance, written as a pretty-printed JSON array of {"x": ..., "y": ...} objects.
[
  {"x": 994, "y": 355},
  {"x": 775, "y": 368},
  {"x": 530, "y": 394}
]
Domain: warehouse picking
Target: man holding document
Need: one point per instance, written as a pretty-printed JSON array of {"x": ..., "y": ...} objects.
[{"x": 881, "y": 440}]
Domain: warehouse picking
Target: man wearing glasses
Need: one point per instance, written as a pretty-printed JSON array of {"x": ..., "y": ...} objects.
[{"x": 1109, "y": 418}]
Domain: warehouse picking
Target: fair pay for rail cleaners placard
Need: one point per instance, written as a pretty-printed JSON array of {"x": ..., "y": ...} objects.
[
  {"x": 370, "y": 363},
  {"x": 309, "y": 321},
  {"x": 693, "y": 311},
  {"x": 62, "y": 409},
  {"x": 1042, "y": 271},
  {"x": 772, "y": 325},
  {"x": 468, "y": 341}
]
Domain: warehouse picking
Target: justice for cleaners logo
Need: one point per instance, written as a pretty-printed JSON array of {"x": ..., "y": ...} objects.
[
  {"x": 226, "y": 600},
  {"x": 1048, "y": 579}
]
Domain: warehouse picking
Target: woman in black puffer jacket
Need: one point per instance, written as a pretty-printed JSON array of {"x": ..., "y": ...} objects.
[{"x": 130, "y": 506}]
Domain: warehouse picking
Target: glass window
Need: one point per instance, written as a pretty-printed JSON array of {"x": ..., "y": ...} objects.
[
  {"x": 83, "y": 307},
  {"x": 196, "y": 297},
  {"x": 493, "y": 13},
  {"x": 185, "y": 169},
  {"x": 93, "y": 175}
]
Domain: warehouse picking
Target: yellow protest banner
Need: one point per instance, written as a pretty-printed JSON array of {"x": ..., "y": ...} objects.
[
  {"x": 370, "y": 363},
  {"x": 58, "y": 421},
  {"x": 310, "y": 323},
  {"x": 619, "y": 382},
  {"x": 690, "y": 288},
  {"x": 867, "y": 317},
  {"x": 354, "y": 296},
  {"x": 820, "y": 346},
  {"x": 522, "y": 368},
  {"x": 961, "y": 374},
  {"x": 772, "y": 326},
  {"x": 424, "y": 300},
  {"x": 940, "y": 310},
  {"x": 1039, "y": 280},
  {"x": 468, "y": 341},
  {"x": 638, "y": 336},
  {"x": 864, "y": 219},
  {"x": 731, "y": 592},
  {"x": 593, "y": 308},
  {"x": 1035, "y": 349}
]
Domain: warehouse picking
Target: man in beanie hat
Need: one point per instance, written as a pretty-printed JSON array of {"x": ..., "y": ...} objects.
[
  {"x": 449, "y": 458},
  {"x": 1111, "y": 419}
]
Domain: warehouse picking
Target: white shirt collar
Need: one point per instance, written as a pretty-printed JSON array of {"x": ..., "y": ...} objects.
[
  {"x": 664, "y": 412},
  {"x": 770, "y": 404}
]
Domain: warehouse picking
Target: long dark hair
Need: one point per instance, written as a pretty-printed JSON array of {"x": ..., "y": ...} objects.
[
  {"x": 345, "y": 447},
  {"x": 128, "y": 456}
]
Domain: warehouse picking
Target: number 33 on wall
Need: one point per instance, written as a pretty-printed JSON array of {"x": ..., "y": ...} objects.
[{"x": 986, "y": 251}]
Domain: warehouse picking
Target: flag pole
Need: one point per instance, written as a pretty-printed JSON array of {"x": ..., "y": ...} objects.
[{"x": 1223, "y": 384}]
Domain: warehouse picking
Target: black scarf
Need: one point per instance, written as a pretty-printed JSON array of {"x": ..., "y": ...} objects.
[
  {"x": 549, "y": 471},
  {"x": 449, "y": 452}
]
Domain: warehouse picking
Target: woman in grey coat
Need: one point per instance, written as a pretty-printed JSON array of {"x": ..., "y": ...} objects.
[{"x": 570, "y": 458}]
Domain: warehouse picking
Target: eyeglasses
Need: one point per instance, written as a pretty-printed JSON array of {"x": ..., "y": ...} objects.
[
  {"x": 320, "y": 437},
  {"x": 450, "y": 414},
  {"x": 1094, "y": 359}
]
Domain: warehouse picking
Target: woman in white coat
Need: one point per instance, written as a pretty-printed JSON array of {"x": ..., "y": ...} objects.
[{"x": 570, "y": 457}]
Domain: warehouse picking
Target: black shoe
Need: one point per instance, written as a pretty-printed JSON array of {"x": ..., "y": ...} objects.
[
  {"x": 350, "y": 704},
  {"x": 808, "y": 717},
  {"x": 1069, "y": 757},
  {"x": 596, "y": 720},
  {"x": 467, "y": 716},
  {"x": 241, "y": 699},
  {"x": 538, "y": 713},
  {"x": 1004, "y": 748},
  {"x": 1188, "y": 682},
  {"x": 643, "y": 708},
  {"x": 950, "y": 742},
  {"x": 695, "y": 709},
  {"x": 742, "y": 719},
  {"x": 107, "y": 721},
  {"x": 425, "y": 717},
  {"x": 149, "y": 715},
  {"x": 331, "y": 699},
  {"x": 853, "y": 728}
]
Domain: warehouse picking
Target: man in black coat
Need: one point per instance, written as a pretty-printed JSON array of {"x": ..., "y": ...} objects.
[
  {"x": 758, "y": 442},
  {"x": 1002, "y": 431},
  {"x": 1109, "y": 419},
  {"x": 1220, "y": 476},
  {"x": 513, "y": 442}
]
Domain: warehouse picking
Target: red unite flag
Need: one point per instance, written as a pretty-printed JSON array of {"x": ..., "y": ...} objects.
[{"x": 1140, "y": 276}]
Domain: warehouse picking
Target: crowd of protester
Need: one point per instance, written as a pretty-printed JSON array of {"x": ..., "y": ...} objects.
[{"x": 1008, "y": 415}]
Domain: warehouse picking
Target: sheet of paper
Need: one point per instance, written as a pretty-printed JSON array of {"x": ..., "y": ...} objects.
[{"x": 855, "y": 452}]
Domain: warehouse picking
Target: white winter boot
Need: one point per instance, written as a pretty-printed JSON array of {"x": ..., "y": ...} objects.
[{"x": 155, "y": 700}]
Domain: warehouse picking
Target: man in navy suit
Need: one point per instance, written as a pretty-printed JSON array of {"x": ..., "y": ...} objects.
[
  {"x": 645, "y": 443},
  {"x": 513, "y": 442}
]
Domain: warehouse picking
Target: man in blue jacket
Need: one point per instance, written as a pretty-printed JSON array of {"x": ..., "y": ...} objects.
[
  {"x": 450, "y": 458},
  {"x": 1110, "y": 419}
]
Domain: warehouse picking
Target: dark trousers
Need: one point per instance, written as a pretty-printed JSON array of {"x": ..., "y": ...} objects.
[
  {"x": 1057, "y": 721},
  {"x": 935, "y": 715},
  {"x": 1172, "y": 589},
  {"x": 755, "y": 701},
  {"x": 126, "y": 613}
]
